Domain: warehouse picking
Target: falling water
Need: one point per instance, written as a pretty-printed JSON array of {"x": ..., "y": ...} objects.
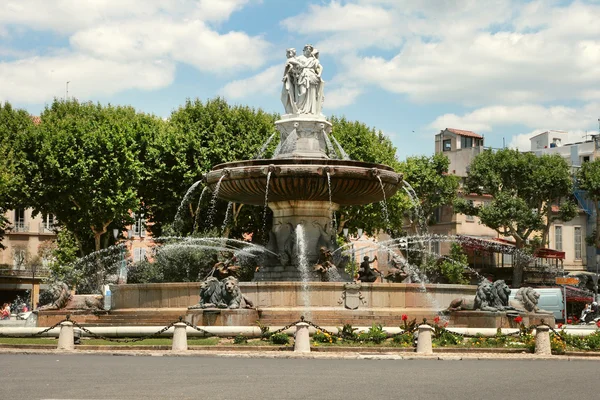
[
  {"x": 213, "y": 202},
  {"x": 303, "y": 267},
  {"x": 227, "y": 214},
  {"x": 421, "y": 222},
  {"x": 262, "y": 150},
  {"x": 330, "y": 150},
  {"x": 184, "y": 202},
  {"x": 264, "y": 227},
  {"x": 331, "y": 212},
  {"x": 198, "y": 208},
  {"x": 342, "y": 152},
  {"x": 334, "y": 275},
  {"x": 384, "y": 204}
]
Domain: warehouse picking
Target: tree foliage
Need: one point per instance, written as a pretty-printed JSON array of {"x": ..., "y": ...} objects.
[
  {"x": 588, "y": 179},
  {"x": 523, "y": 188},
  {"x": 15, "y": 128},
  {"x": 89, "y": 166},
  {"x": 363, "y": 143},
  {"x": 431, "y": 182}
]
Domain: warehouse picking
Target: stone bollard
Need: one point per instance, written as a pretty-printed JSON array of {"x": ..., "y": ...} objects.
[
  {"x": 180, "y": 337},
  {"x": 424, "y": 340},
  {"x": 542, "y": 340},
  {"x": 302, "y": 340},
  {"x": 65, "y": 337}
]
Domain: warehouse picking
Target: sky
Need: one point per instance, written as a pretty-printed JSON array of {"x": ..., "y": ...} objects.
[{"x": 506, "y": 69}]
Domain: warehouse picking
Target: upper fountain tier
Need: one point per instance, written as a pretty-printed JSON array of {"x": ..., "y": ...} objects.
[{"x": 308, "y": 163}]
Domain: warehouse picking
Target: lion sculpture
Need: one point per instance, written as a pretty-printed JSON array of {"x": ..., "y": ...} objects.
[
  {"x": 500, "y": 296},
  {"x": 526, "y": 299},
  {"x": 223, "y": 294},
  {"x": 484, "y": 299},
  {"x": 61, "y": 295}
]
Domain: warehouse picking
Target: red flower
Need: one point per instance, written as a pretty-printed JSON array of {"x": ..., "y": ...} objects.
[
  {"x": 518, "y": 319},
  {"x": 404, "y": 317},
  {"x": 569, "y": 321},
  {"x": 446, "y": 325},
  {"x": 559, "y": 326},
  {"x": 436, "y": 319},
  {"x": 598, "y": 324}
]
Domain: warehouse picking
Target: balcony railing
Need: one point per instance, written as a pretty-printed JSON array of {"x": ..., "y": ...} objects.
[
  {"x": 40, "y": 272},
  {"x": 45, "y": 228},
  {"x": 20, "y": 227}
]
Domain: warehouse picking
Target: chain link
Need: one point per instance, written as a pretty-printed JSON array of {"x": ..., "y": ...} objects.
[
  {"x": 205, "y": 332},
  {"x": 128, "y": 340}
]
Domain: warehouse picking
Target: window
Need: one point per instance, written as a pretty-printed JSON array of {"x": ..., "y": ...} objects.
[
  {"x": 471, "y": 218},
  {"x": 466, "y": 142},
  {"x": 139, "y": 226},
  {"x": 447, "y": 145},
  {"x": 558, "y": 238},
  {"x": 19, "y": 257},
  {"x": 20, "y": 220},
  {"x": 586, "y": 159},
  {"x": 139, "y": 254},
  {"x": 578, "y": 247},
  {"x": 48, "y": 222},
  {"x": 437, "y": 214},
  {"x": 434, "y": 247}
]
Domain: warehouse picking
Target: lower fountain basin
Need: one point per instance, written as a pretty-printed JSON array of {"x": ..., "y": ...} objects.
[{"x": 352, "y": 182}]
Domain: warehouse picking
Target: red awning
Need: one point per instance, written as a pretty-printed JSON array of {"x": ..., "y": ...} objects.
[{"x": 577, "y": 295}]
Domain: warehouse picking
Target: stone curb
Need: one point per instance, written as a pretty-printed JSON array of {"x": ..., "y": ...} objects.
[{"x": 312, "y": 355}]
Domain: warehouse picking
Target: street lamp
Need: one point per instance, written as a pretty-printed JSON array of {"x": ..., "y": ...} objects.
[{"x": 123, "y": 267}]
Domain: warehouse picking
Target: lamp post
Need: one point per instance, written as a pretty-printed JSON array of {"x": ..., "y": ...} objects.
[{"x": 123, "y": 267}]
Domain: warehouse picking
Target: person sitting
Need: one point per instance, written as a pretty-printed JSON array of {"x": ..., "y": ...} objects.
[
  {"x": 5, "y": 312},
  {"x": 366, "y": 273}
]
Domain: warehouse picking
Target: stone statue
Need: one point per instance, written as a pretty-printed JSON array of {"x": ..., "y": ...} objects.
[
  {"x": 526, "y": 299},
  {"x": 500, "y": 296},
  {"x": 324, "y": 264},
  {"x": 223, "y": 294},
  {"x": 483, "y": 300},
  {"x": 396, "y": 273},
  {"x": 226, "y": 268},
  {"x": 61, "y": 295},
  {"x": 302, "y": 91},
  {"x": 365, "y": 272}
]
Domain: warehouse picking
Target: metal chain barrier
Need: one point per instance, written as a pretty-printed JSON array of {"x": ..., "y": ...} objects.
[
  {"x": 205, "y": 332},
  {"x": 319, "y": 328},
  {"x": 127, "y": 340},
  {"x": 40, "y": 333}
]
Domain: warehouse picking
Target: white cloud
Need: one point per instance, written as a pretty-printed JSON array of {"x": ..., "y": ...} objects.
[
  {"x": 530, "y": 115},
  {"x": 265, "y": 82},
  {"x": 340, "y": 97},
  {"x": 191, "y": 42},
  {"x": 39, "y": 79},
  {"x": 125, "y": 44}
]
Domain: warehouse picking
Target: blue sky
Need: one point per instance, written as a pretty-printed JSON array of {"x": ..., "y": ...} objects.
[{"x": 505, "y": 69}]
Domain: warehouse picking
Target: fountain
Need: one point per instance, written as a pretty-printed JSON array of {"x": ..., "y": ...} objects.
[{"x": 306, "y": 180}]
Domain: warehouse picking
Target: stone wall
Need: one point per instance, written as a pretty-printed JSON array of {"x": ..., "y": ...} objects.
[{"x": 289, "y": 295}]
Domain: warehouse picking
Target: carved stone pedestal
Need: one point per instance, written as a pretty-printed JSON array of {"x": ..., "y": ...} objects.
[
  {"x": 304, "y": 136},
  {"x": 222, "y": 317}
]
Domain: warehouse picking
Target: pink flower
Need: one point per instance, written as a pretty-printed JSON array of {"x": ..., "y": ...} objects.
[
  {"x": 404, "y": 317},
  {"x": 518, "y": 319}
]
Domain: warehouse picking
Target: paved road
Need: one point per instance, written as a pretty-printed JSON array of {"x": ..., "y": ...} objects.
[{"x": 128, "y": 377}]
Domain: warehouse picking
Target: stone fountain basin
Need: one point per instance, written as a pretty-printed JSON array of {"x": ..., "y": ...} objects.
[{"x": 352, "y": 182}]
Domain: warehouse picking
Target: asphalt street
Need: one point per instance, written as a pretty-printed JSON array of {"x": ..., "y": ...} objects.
[{"x": 145, "y": 377}]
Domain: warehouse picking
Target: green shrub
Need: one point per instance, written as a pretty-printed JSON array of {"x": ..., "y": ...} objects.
[
  {"x": 240, "y": 339},
  {"x": 593, "y": 340},
  {"x": 375, "y": 334},
  {"x": 324, "y": 337},
  {"x": 404, "y": 339},
  {"x": 347, "y": 332},
  {"x": 279, "y": 338}
]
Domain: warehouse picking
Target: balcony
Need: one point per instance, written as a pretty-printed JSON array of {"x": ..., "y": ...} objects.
[
  {"x": 46, "y": 228},
  {"x": 40, "y": 272},
  {"x": 20, "y": 226}
]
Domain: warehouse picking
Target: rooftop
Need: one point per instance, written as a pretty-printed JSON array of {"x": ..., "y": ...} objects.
[{"x": 461, "y": 132}]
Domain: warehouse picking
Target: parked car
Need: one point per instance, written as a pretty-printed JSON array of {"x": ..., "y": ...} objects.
[{"x": 551, "y": 299}]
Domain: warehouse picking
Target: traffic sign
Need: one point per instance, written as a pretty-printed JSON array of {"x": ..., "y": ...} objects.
[{"x": 567, "y": 281}]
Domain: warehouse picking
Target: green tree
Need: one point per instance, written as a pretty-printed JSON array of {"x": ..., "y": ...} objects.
[
  {"x": 588, "y": 179},
  {"x": 453, "y": 267},
  {"x": 432, "y": 184},
  {"x": 199, "y": 136},
  {"x": 89, "y": 166},
  {"x": 523, "y": 189},
  {"x": 15, "y": 128},
  {"x": 363, "y": 143}
]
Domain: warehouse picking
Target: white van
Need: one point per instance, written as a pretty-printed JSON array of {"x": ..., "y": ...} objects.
[{"x": 551, "y": 299}]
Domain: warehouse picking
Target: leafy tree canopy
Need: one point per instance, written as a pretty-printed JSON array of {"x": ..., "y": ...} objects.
[
  {"x": 588, "y": 179},
  {"x": 523, "y": 188}
]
